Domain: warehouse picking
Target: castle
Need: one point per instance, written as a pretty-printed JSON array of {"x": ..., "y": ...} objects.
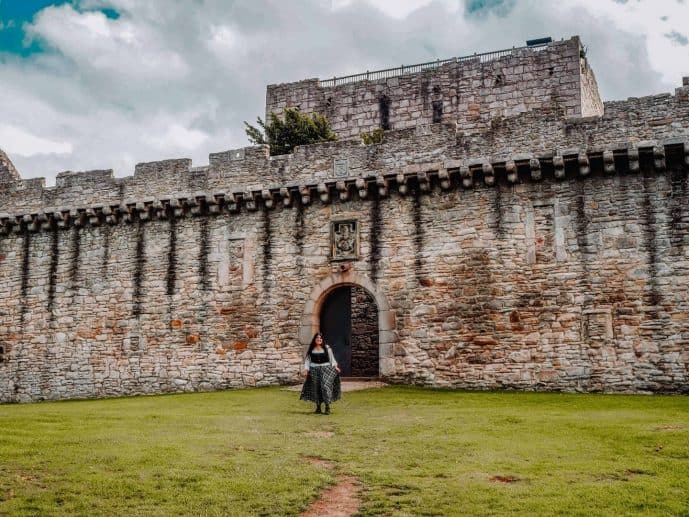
[{"x": 511, "y": 231}]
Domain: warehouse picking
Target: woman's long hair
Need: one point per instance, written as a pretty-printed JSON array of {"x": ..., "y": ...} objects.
[{"x": 313, "y": 343}]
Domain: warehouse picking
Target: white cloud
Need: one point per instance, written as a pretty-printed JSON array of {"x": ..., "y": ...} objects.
[
  {"x": 177, "y": 136},
  {"x": 16, "y": 140},
  {"x": 100, "y": 45},
  {"x": 169, "y": 79}
]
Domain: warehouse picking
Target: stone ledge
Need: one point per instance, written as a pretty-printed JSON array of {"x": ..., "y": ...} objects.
[{"x": 422, "y": 176}]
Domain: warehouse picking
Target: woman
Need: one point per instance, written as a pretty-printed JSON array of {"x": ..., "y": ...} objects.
[{"x": 322, "y": 382}]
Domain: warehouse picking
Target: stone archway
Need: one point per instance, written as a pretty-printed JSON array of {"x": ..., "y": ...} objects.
[{"x": 386, "y": 316}]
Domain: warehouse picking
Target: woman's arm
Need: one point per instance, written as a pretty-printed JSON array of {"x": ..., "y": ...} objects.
[{"x": 331, "y": 357}]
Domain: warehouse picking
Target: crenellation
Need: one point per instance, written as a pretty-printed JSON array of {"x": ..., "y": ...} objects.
[{"x": 83, "y": 179}]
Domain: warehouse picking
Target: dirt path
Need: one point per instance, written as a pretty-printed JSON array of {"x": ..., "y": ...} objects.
[{"x": 338, "y": 500}]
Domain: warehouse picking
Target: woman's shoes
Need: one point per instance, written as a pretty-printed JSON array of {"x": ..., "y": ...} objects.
[{"x": 319, "y": 412}]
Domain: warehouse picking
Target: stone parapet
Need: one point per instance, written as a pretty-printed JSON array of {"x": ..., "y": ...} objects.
[
  {"x": 468, "y": 91},
  {"x": 537, "y": 133},
  {"x": 447, "y": 174}
]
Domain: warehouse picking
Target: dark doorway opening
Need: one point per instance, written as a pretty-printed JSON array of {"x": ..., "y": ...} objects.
[{"x": 349, "y": 322}]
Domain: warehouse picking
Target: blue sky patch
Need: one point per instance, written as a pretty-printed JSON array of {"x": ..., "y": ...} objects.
[
  {"x": 479, "y": 8},
  {"x": 15, "y": 13}
]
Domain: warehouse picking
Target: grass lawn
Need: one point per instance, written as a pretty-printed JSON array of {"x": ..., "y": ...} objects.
[{"x": 415, "y": 451}]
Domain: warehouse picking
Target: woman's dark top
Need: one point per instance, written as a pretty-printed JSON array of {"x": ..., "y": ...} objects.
[{"x": 319, "y": 357}]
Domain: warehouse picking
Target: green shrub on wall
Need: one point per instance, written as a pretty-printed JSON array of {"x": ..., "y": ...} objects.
[
  {"x": 295, "y": 128},
  {"x": 373, "y": 137}
]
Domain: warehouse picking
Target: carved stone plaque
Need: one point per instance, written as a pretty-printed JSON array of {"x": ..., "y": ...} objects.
[
  {"x": 597, "y": 325},
  {"x": 344, "y": 238},
  {"x": 341, "y": 168}
]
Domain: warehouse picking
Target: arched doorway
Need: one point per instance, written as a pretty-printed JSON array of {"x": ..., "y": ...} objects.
[
  {"x": 349, "y": 322},
  {"x": 313, "y": 308}
]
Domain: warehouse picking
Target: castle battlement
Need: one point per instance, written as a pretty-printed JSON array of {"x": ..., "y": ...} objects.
[
  {"x": 468, "y": 91},
  {"x": 445, "y": 174},
  {"x": 540, "y": 132}
]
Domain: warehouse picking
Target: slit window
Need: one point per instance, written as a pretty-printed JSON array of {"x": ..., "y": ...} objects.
[
  {"x": 437, "y": 111},
  {"x": 384, "y": 109}
]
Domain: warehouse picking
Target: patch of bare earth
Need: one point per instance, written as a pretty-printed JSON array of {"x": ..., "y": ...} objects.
[
  {"x": 338, "y": 500},
  {"x": 319, "y": 462},
  {"x": 669, "y": 427},
  {"x": 504, "y": 479}
]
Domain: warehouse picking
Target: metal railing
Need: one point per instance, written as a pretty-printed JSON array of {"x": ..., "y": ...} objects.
[{"x": 431, "y": 65}]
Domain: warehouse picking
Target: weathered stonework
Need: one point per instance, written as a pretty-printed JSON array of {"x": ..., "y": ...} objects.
[
  {"x": 538, "y": 250},
  {"x": 469, "y": 91}
]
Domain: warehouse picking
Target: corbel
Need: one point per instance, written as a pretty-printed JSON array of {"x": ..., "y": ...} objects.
[
  {"x": 219, "y": 201},
  {"x": 38, "y": 220},
  {"x": 423, "y": 181},
  {"x": 342, "y": 188},
  {"x": 142, "y": 211},
  {"x": 608, "y": 162},
  {"x": 127, "y": 213},
  {"x": 19, "y": 225},
  {"x": 207, "y": 203},
  {"x": 401, "y": 180},
  {"x": 92, "y": 217},
  {"x": 305, "y": 194},
  {"x": 401, "y": 183},
  {"x": 488, "y": 174},
  {"x": 30, "y": 222},
  {"x": 177, "y": 206},
  {"x": 323, "y": 192},
  {"x": 78, "y": 217},
  {"x": 382, "y": 185},
  {"x": 467, "y": 176},
  {"x": 111, "y": 214},
  {"x": 511, "y": 171},
  {"x": 250, "y": 201},
  {"x": 659, "y": 157},
  {"x": 444, "y": 179},
  {"x": 233, "y": 202},
  {"x": 286, "y": 196},
  {"x": 267, "y": 198},
  {"x": 633, "y": 154},
  {"x": 160, "y": 208},
  {"x": 63, "y": 217},
  {"x": 46, "y": 220},
  {"x": 535, "y": 166},
  {"x": 194, "y": 203},
  {"x": 362, "y": 187},
  {"x": 559, "y": 166},
  {"x": 584, "y": 165}
]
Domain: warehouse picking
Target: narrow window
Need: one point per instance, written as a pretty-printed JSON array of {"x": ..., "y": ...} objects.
[
  {"x": 2, "y": 354},
  {"x": 384, "y": 108},
  {"x": 437, "y": 111}
]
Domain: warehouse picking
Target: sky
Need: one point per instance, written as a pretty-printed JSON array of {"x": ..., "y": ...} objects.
[{"x": 106, "y": 84}]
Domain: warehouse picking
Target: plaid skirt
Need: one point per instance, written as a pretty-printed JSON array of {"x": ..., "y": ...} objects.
[{"x": 321, "y": 385}]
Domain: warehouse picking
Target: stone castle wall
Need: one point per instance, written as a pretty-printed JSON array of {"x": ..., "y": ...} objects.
[
  {"x": 541, "y": 252},
  {"x": 469, "y": 92}
]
